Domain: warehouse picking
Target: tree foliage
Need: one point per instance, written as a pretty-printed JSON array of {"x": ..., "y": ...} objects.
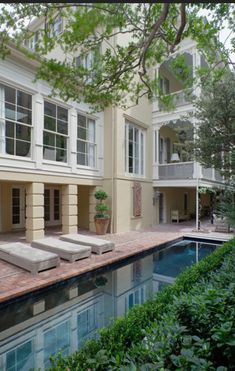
[
  {"x": 215, "y": 113},
  {"x": 152, "y": 33}
]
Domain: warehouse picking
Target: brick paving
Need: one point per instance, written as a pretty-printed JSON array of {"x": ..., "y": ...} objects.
[{"x": 15, "y": 281}]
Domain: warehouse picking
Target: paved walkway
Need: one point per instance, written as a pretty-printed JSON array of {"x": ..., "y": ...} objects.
[{"x": 15, "y": 281}]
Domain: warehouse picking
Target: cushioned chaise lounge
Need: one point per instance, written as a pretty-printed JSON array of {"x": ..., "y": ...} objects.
[
  {"x": 29, "y": 258},
  {"x": 98, "y": 246},
  {"x": 66, "y": 250}
]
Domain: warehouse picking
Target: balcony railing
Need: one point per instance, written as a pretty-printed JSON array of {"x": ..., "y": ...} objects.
[
  {"x": 180, "y": 98},
  {"x": 207, "y": 173},
  {"x": 182, "y": 170}
]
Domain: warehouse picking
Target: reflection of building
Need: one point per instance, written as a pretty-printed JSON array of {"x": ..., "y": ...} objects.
[
  {"x": 63, "y": 328},
  {"x": 63, "y": 318}
]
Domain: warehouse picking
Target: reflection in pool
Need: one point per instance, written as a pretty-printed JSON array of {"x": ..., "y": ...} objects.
[{"x": 64, "y": 316}]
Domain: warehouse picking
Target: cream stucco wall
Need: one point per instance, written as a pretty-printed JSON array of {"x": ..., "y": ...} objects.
[{"x": 83, "y": 207}]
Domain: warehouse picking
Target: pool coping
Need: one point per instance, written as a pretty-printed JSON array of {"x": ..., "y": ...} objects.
[{"x": 98, "y": 268}]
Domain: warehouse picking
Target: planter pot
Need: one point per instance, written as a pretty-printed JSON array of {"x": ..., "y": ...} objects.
[{"x": 101, "y": 225}]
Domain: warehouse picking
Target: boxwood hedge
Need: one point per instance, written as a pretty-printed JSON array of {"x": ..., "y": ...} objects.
[{"x": 116, "y": 340}]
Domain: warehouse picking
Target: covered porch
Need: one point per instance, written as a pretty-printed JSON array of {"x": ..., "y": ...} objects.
[{"x": 33, "y": 209}]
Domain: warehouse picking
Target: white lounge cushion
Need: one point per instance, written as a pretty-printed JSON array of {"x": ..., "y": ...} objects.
[
  {"x": 66, "y": 250},
  {"x": 31, "y": 259},
  {"x": 98, "y": 245}
]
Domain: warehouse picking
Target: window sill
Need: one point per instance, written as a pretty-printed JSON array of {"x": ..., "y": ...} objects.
[
  {"x": 18, "y": 158},
  {"x": 83, "y": 167},
  {"x": 136, "y": 217},
  {"x": 55, "y": 163}
]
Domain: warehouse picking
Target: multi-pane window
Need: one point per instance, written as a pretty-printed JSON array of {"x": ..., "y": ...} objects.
[
  {"x": 56, "y": 339},
  {"x": 86, "y": 141},
  {"x": 56, "y": 27},
  {"x": 137, "y": 296},
  {"x": 32, "y": 41},
  {"x": 55, "y": 134},
  {"x": 86, "y": 324},
  {"x": 20, "y": 358},
  {"x": 134, "y": 149},
  {"x": 16, "y": 119}
]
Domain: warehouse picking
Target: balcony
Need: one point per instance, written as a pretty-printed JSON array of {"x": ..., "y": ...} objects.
[
  {"x": 179, "y": 99},
  {"x": 182, "y": 170}
]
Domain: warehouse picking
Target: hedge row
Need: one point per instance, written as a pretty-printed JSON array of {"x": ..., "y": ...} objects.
[{"x": 116, "y": 339}]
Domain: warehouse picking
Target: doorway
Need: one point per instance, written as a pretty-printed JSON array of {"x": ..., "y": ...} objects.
[
  {"x": 52, "y": 206},
  {"x": 161, "y": 208},
  {"x": 18, "y": 207}
]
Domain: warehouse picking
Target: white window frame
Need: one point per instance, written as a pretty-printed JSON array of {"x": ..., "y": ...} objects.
[
  {"x": 16, "y": 347},
  {"x": 141, "y": 290},
  {"x": 141, "y": 157},
  {"x": 56, "y": 133},
  {"x": 56, "y": 27},
  {"x": 14, "y": 121},
  {"x": 92, "y": 330},
  {"x": 88, "y": 143}
]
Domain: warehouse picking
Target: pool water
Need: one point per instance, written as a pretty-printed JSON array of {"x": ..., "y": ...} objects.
[{"x": 62, "y": 317}]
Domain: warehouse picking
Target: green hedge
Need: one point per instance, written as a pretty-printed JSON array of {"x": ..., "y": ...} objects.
[{"x": 116, "y": 339}]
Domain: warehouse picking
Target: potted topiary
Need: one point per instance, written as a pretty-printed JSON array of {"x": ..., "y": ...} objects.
[{"x": 101, "y": 217}]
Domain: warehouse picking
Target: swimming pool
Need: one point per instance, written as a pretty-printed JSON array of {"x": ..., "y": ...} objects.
[{"x": 64, "y": 315}]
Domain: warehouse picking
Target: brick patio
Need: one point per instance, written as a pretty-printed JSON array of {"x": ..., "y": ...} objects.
[{"x": 15, "y": 281}]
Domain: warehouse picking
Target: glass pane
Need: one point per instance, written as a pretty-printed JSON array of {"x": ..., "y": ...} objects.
[
  {"x": 49, "y": 123},
  {"x": 10, "y": 146},
  {"x": 62, "y": 114},
  {"x": 10, "y": 94},
  {"x": 9, "y": 129},
  {"x": 130, "y": 134},
  {"x": 49, "y": 109},
  {"x": 91, "y": 135},
  {"x": 16, "y": 210},
  {"x": 81, "y": 146},
  {"x": 62, "y": 127},
  {"x": 61, "y": 142},
  {"x": 82, "y": 159},
  {"x": 23, "y": 148},
  {"x": 137, "y": 297},
  {"x": 11, "y": 361},
  {"x": 82, "y": 121},
  {"x": 131, "y": 301},
  {"x": 48, "y": 139},
  {"x": 24, "y": 99},
  {"x": 23, "y": 132},
  {"x": 61, "y": 155},
  {"x": 82, "y": 133},
  {"x": 16, "y": 219},
  {"x": 24, "y": 115},
  {"x": 49, "y": 153},
  {"x": 10, "y": 111},
  {"x": 15, "y": 192}
]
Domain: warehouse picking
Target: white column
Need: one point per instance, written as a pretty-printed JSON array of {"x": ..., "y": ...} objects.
[
  {"x": 156, "y": 154},
  {"x": 196, "y": 64},
  {"x": 38, "y": 124},
  {"x": 72, "y": 144}
]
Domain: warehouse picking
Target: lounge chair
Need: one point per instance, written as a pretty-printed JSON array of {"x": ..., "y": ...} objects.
[
  {"x": 98, "y": 246},
  {"x": 31, "y": 259},
  {"x": 66, "y": 250}
]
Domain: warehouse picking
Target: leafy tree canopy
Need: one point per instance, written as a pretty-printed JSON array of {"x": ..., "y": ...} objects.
[
  {"x": 215, "y": 114},
  {"x": 154, "y": 31}
]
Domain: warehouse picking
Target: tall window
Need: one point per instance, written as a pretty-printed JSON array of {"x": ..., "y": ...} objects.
[
  {"x": 56, "y": 26},
  {"x": 16, "y": 121},
  {"x": 134, "y": 149},
  {"x": 86, "y": 323},
  {"x": 56, "y": 339},
  {"x": 55, "y": 134},
  {"x": 86, "y": 141},
  {"x": 32, "y": 41},
  {"x": 20, "y": 358}
]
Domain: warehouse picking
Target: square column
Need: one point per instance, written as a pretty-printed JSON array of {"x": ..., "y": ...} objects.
[
  {"x": 92, "y": 210},
  {"x": 34, "y": 211},
  {"x": 69, "y": 209}
]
